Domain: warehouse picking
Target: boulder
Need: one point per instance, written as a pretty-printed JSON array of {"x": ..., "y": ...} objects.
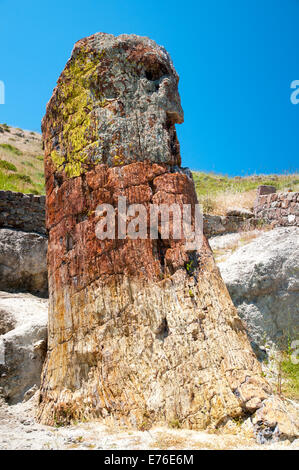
[
  {"x": 265, "y": 189},
  {"x": 23, "y": 344},
  {"x": 279, "y": 422},
  {"x": 240, "y": 212},
  {"x": 23, "y": 262},
  {"x": 214, "y": 225},
  {"x": 263, "y": 280}
]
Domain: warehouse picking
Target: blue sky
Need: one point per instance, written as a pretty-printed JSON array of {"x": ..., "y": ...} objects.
[{"x": 236, "y": 60}]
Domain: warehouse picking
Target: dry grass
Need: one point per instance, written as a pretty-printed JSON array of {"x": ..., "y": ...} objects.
[
  {"x": 198, "y": 440},
  {"x": 229, "y": 199},
  {"x": 168, "y": 441},
  {"x": 218, "y": 193}
]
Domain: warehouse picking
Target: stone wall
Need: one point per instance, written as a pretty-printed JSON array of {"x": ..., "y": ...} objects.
[
  {"x": 280, "y": 209},
  {"x": 214, "y": 225},
  {"x": 24, "y": 212}
]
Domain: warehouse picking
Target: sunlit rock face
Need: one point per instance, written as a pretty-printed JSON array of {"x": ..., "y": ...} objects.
[{"x": 140, "y": 331}]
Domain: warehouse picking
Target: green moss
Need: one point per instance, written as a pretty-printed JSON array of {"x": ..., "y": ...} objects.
[
  {"x": 189, "y": 267},
  {"x": 75, "y": 110}
]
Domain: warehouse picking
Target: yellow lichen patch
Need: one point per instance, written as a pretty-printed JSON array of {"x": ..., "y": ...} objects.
[
  {"x": 75, "y": 111},
  {"x": 73, "y": 169},
  {"x": 103, "y": 103},
  {"x": 117, "y": 160},
  {"x": 57, "y": 159}
]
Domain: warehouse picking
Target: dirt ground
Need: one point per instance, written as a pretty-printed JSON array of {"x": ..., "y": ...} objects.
[{"x": 19, "y": 431}]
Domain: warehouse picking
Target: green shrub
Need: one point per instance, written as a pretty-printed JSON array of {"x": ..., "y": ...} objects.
[
  {"x": 6, "y": 182},
  {"x": 290, "y": 373},
  {"x": 19, "y": 182},
  {"x": 28, "y": 164},
  {"x": 7, "y": 165},
  {"x": 4, "y": 127},
  {"x": 22, "y": 177}
]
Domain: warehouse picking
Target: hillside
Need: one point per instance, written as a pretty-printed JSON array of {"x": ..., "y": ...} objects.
[
  {"x": 22, "y": 169},
  {"x": 21, "y": 160}
]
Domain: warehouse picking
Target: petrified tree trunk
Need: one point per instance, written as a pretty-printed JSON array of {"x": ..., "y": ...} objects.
[{"x": 139, "y": 330}]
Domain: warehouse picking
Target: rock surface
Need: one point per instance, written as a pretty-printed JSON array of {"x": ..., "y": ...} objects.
[
  {"x": 278, "y": 423},
  {"x": 263, "y": 280},
  {"x": 240, "y": 212},
  {"x": 141, "y": 331},
  {"x": 265, "y": 189},
  {"x": 23, "y": 265},
  {"x": 214, "y": 225},
  {"x": 23, "y": 344}
]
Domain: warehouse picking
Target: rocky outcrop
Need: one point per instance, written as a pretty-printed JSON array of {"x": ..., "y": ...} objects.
[
  {"x": 140, "y": 330},
  {"x": 23, "y": 344},
  {"x": 279, "y": 421},
  {"x": 23, "y": 243},
  {"x": 23, "y": 265},
  {"x": 23, "y": 317},
  {"x": 263, "y": 280}
]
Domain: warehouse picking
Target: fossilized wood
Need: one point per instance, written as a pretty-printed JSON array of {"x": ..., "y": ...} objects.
[{"x": 134, "y": 334}]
